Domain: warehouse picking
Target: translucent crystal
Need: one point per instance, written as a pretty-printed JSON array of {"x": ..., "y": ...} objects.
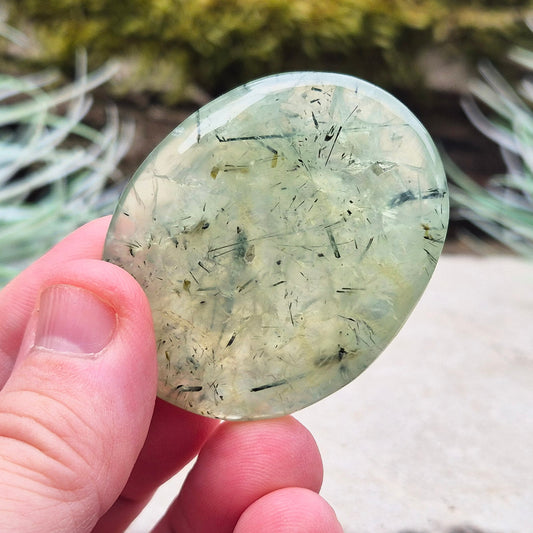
[{"x": 283, "y": 234}]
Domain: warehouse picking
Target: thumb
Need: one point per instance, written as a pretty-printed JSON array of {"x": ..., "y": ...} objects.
[{"x": 75, "y": 411}]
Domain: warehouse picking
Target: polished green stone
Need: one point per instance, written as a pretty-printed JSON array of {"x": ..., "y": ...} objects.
[{"x": 283, "y": 233}]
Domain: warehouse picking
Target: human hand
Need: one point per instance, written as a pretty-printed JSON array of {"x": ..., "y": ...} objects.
[{"x": 83, "y": 441}]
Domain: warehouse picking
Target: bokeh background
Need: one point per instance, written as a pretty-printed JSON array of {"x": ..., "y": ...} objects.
[{"x": 165, "y": 58}]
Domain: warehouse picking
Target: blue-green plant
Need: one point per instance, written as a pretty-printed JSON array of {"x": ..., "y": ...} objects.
[
  {"x": 503, "y": 208},
  {"x": 54, "y": 168}
]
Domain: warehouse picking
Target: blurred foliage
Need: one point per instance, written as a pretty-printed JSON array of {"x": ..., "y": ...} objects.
[
  {"x": 54, "y": 168},
  {"x": 173, "y": 46},
  {"x": 503, "y": 208}
]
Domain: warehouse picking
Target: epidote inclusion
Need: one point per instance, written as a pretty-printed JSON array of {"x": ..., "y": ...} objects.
[{"x": 283, "y": 233}]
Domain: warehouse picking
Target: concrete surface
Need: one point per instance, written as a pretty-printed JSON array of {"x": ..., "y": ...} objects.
[{"x": 437, "y": 435}]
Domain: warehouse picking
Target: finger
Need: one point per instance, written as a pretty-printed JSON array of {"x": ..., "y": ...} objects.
[
  {"x": 18, "y": 298},
  {"x": 239, "y": 464},
  {"x": 75, "y": 411},
  {"x": 174, "y": 438},
  {"x": 290, "y": 510}
]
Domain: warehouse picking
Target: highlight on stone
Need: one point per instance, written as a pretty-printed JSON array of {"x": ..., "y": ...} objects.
[{"x": 283, "y": 234}]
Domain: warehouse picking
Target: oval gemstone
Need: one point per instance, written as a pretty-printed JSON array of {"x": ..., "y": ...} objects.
[{"x": 282, "y": 233}]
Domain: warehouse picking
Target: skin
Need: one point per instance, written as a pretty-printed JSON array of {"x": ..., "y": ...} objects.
[{"x": 84, "y": 442}]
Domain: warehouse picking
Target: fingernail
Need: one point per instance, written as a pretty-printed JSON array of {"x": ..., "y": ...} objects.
[{"x": 73, "y": 320}]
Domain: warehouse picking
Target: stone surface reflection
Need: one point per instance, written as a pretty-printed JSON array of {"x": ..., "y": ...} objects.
[{"x": 283, "y": 234}]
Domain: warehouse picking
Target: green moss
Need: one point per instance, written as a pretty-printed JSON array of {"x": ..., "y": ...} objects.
[{"x": 217, "y": 44}]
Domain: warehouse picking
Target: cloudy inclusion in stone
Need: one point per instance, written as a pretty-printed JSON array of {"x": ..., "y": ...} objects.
[{"x": 283, "y": 234}]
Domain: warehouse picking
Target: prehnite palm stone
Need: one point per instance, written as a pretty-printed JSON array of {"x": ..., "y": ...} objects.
[{"x": 283, "y": 234}]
